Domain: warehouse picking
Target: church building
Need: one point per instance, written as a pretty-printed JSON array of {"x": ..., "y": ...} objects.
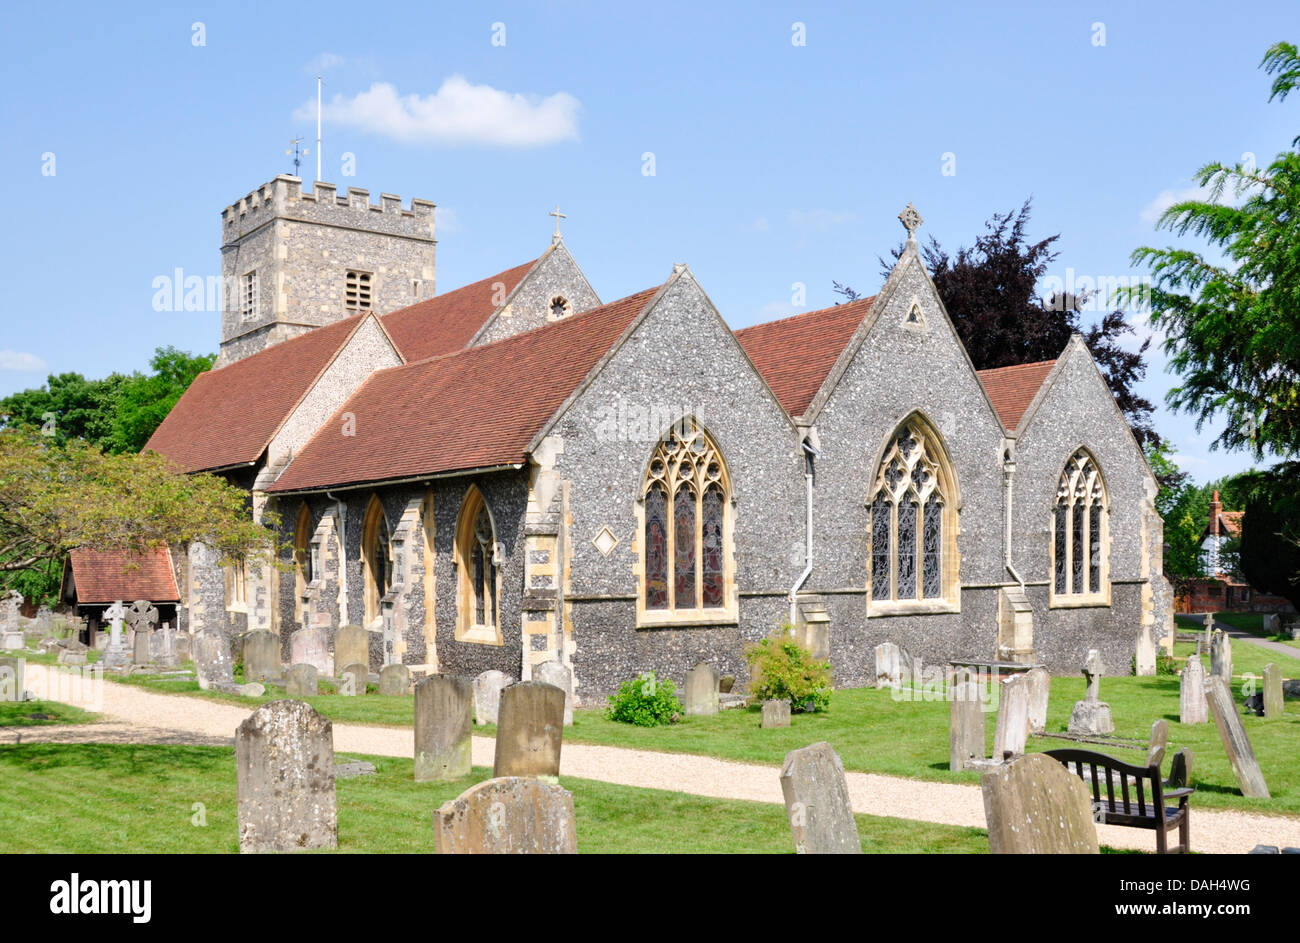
[{"x": 515, "y": 471}]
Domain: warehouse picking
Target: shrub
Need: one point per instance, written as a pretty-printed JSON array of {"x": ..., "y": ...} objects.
[
  {"x": 645, "y": 702},
  {"x": 781, "y": 668},
  {"x": 1165, "y": 664}
]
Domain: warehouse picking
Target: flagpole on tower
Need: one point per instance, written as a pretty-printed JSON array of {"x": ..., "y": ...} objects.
[{"x": 319, "y": 83}]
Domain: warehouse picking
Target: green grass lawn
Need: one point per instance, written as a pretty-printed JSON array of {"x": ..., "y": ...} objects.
[
  {"x": 41, "y": 713},
  {"x": 1252, "y": 622},
  {"x": 144, "y": 800}
]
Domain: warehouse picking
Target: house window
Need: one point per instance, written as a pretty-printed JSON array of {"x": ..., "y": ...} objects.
[
  {"x": 376, "y": 560},
  {"x": 478, "y": 568},
  {"x": 912, "y": 525},
  {"x": 248, "y": 293},
  {"x": 1079, "y": 535},
  {"x": 686, "y": 571},
  {"x": 356, "y": 293}
]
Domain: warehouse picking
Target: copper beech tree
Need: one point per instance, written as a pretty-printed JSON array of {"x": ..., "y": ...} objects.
[{"x": 55, "y": 499}]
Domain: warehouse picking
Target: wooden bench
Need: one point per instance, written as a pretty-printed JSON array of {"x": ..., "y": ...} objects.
[{"x": 1137, "y": 800}]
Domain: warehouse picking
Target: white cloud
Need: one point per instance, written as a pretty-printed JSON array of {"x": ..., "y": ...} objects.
[
  {"x": 26, "y": 363},
  {"x": 1183, "y": 459},
  {"x": 322, "y": 64},
  {"x": 1152, "y": 212},
  {"x": 776, "y": 310},
  {"x": 458, "y": 113},
  {"x": 448, "y": 221},
  {"x": 818, "y": 220}
]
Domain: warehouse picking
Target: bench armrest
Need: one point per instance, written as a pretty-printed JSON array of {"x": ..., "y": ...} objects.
[{"x": 1181, "y": 793}]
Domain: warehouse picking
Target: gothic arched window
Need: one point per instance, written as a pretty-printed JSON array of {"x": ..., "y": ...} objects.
[
  {"x": 478, "y": 572},
  {"x": 685, "y": 531},
  {"x": 1079, "y": 548},
  {"x": 913, "y": 524},
  {"x": 376, "y": 559},
  {"x": 302, "y": 562}
]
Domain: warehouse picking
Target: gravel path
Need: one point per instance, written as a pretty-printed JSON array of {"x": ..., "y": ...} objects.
[{"x": 134, "y": 715}]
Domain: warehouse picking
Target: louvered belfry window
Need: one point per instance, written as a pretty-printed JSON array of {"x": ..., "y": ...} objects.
[{"x": 356, "y": 293}]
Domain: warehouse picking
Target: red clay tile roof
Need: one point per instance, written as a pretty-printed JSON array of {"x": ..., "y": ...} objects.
[
  {"x": 1012, "y": 389},
  {"x": 105, "y": 576},
  {"x": 477, "y": 408},
  {"x": 446, "y": 323},
  {"x": 1230, "y": 522},
  {"x": 795, "y": 355},
  {"x": 229, "y": 415}
]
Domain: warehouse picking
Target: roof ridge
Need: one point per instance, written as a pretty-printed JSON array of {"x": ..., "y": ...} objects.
[
  {"x": 1014, "y": 366},
  {"x": 805, "y": 314}
]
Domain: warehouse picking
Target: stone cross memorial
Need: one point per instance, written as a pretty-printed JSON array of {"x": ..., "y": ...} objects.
[
  {"x": 115, "y": 655},
  {"x": 1036, "y": 806},
  {"x": 284, "y": 756},
  {"x": 817, "y": 802},
  {"x": 442, "y": 728},
  {"x": 1091, "y": 716},
  {"x": 530, "y": 730},
  {"x": 487, "y": 695},
  {"x": 509, "y": 815}
]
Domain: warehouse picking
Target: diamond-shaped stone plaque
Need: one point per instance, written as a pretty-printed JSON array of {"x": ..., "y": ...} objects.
[{"x": 605, "y": 541}]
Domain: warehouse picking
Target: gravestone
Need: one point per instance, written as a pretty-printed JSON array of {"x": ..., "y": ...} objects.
[
  {"x": 11, "y": 633},
  {"x": 44, "y": 620},
  {"x": 310, "y": 646},
  {"x": 1192, "y": 708},
  {"x": 183, "y": 646},
  {"x": 116, "y": 655},
  {"x": 1035, "y": 806},
  {"x": 395, "y": 681},
  {"x": 1040, "y": 690},
  {"x": 889, "y": 671},
  {"x": 11, "y": 678},
  {"x": 530, "y": 730},
  {"x": 442, "y": 727},
  {"x": 1013, "y": 718},
  {"x": 1272, "y": 623},
  {"x": 69, "y": 657},
  {"x": 262, "y": 656},
  {"x": 352, "y": 645},
  {"x": 487, "y": 695},
  {"x": 700, "y": 693},
  {"x": 817, "y": 802},
  {"x": 1221, "y": 656},
  {"x": 1272, "y": 690},
  {"x": 965, "y": 720},
  {"x": 1157, "y": 744},
  {"x": 554, "y": 672},
  {"x": 302, "y": 681},
  {"x": 140, "y": 646},
  {"x": 1180, "y": 769},
  {"x": 776, "y": 713},
  {"x": 284, "y": 756},
  {"x": 509, "y": 815},
  {"x": 353, "y": 680},
  {"x": 141, "y": 614},
  {"x": 162, "y": 646},
  {"x": 1235, "y": 742},
  {"x": 1091, "y": 716},
  {"x": 212, "y": 664},
  {"x": 1209, "y": 629}
]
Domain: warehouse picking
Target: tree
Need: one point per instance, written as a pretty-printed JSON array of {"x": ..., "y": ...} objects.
[
  {"x": 990, "y": 292},
  {"x": 144, "y": 401},
  {"x": 1233, "y": 327},
  {"x": 1270, "y": 534},
  {"x": 67, "y": 406},
  {"x": 54, "y": 500}
]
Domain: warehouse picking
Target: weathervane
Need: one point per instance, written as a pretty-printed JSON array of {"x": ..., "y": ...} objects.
[
  {"x": 298, "y": 153},
  {"x": 558, "y": 216},
  {"x": 911, "y": 220}
]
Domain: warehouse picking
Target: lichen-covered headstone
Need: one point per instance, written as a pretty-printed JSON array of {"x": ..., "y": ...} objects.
[
  {"x": 1235, "y": 742},
  {"x": 776, "y": 713},
  {"x": 310, "y": 646},
  {"x": 487, "y": 695},
  {"x": 1221, "y": 656},
  {"x": 284, "y": 754},
  {"x": 530, "y": 730},
  {"x": 442, "y": 727},
  {"x": 1034, "y": 805},
  {"x": 554, "y": 672},
  {"x": 1091, "y": 716},
  {"x": 212, "y": 663},
  {"x": 302, "y": 681},
  {"x": 700, "y": 693},
  {"x": 353, "y": 680},
  {"x": 352, "y": 645},
  {"x": 1040, "y": 689},
  {"x": 965, "y": 720},
  {"x": 1013, "y": 717},
  {"x": 817, "y": 802},
  {"x": 1192, "y": 708},
  {"x": 262, "y": 656},
  {"x": 1272, "y": 690},
  {"x": 889, "y": 669},
  {"x": 395, "y": 680},
  {"x": 510, "y": 815}
]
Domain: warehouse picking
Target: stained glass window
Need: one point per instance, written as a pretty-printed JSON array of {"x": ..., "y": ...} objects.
[
  {"x": 656, "y": 547},
  {"x": 477, "y": 564},
  {"x": 1062, "y": 527},
  {"x": 1079, "y": 528},
  {"x": 684, "y": 549},
  {"x": 880, "y": 528},
  {"x": 1094, "y": 538},
  {"x": 932, "y": 572},
  {"x": 711, "y": 558},
  {"x": 907, "y": 549}
]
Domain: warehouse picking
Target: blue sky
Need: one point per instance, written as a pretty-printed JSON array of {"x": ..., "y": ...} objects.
[{"x": 774, "y": 163}]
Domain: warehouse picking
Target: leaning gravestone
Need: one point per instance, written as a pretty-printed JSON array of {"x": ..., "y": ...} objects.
[
  {"x": 776, "y": 713},
  {"x": 302, "y": 681},
  {"x": 395, "y": 680},
  {"x": 1192, "y": 708},
  {"x": 554, "y": 672},
  {"x": 1036, "y": 806},
  {"x": 965, "y": 720},
  {"x": 817, "y": 802},
  {"x": 1091, "y": 716},
  {"x": 310, "y": 646},
  {"x": 1040, "y": 689},
  {"x": 889, "y": 670},
  {"x": 530, "y": 730},
  {"x": 354, "y": 678},
  {"x": 1013, "y": 718},
  {"x": 442, "y": 728},
  {"x": 700, "y": 693},
  {"x": 262, "y": 656},
  {"x": 1235, "y": 742},
  {"x": 509, "y": 815},
  {"x": 1272, "y": 690},
  {"x": 284, "y": 755},
  {"x": 487, "y": 695},
  {"x": 1221, "y": 656},
  {"x": 352, "y": 645},
  {"x": 11, "y": 678},
  {"x": 212, "y": 660},
  {"x": 1157, "y": 744},
  {"x": 1180, "y": 769}
]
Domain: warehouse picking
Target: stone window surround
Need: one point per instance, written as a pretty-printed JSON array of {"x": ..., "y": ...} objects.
[
  {"x": 249, "y": 302},
  {"x": 303, "y": 560},
  {"x": 374, "y": 613},
  {"x": 236, "y": 578},
  {"x": 1098, "y": 600},
  {"x": 358, "y": 290},
  {"x": 467, "y": 629}
]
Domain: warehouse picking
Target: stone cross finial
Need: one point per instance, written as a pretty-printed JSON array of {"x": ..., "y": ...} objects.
[
  {"x": 558, "y": 216},
  {"x": 911, "y": 220},
  {"x": 1092, "y": 671}
]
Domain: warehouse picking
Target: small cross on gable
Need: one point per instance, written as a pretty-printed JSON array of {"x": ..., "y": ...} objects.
[{"x": 558, "y": 216}]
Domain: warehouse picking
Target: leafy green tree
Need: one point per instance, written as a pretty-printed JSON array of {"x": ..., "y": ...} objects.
[
  {"x": 67, "y": 406},
  {"x": 144, "y": 401}
]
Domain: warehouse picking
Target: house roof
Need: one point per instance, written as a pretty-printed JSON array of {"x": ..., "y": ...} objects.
[
  {"x": 1012, "y": 389},
  {"x": 446, "y": 323},
  {"x": 795, "y": 355},
  {"x": 477, "y": 408},
  {"x": 108, "y": 575},
  {"x": 1230, "y": 522}
]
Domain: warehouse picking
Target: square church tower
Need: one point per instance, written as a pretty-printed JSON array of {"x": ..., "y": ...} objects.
[{"x": 292, "y": 261}]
